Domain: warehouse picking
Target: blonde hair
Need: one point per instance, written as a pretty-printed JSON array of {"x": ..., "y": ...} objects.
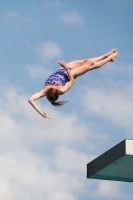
[{"x": 52, "y": 95}]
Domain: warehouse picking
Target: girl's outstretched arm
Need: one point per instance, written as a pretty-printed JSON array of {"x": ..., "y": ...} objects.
[{"x": 32, "y": 99}]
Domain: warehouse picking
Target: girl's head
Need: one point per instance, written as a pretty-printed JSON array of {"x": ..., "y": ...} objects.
[{"x": 52, "y": 95}]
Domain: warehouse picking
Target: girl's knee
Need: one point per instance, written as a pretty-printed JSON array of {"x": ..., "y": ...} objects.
[{"x": 87, "y": 61}]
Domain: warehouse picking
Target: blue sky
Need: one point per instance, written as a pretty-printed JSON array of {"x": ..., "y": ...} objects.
[{"x": 46, "y": 159}]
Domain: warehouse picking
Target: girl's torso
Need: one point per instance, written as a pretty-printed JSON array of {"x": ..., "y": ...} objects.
[
  {"x": 57, "y": 80},
  {"x": 60, "y": 77}
]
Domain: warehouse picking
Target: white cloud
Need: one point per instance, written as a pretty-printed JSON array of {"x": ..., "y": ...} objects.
[
  {"x": 12, "y": 15},
  {"x": 37, "y": 71},
  {"x": 71, "y": 160},
  {"x": 49, "y": 50},
  {"x": 39, "y": 158},
  {"x": 16, "y": 16},
  {"x": 52, "y": 4},
  {"x": 73, "y": 18},
  {"x": 118, "y": 69},
  {"x": 112, "y": 101},
  {"x": 26, "y": 173},
  {"x": 108, "y": 189}
]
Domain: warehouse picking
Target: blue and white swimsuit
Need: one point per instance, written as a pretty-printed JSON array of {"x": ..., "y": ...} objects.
[{"x": 60, "y": 77}]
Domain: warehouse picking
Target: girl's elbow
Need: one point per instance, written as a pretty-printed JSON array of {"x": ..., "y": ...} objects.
[{"x": 29, "y": 100}]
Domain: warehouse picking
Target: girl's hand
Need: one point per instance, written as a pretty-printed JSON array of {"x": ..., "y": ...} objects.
[
  {"x": 44, "y": 115},
  {"x": 63, "y": 64}
]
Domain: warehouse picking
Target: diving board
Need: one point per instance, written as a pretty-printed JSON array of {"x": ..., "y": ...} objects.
[{"x": 115, "y": 164}]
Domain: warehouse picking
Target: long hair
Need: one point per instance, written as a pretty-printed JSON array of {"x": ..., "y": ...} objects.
[{"x": 52, "y": 95}]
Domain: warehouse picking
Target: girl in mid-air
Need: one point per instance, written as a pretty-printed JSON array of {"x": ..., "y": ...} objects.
[{"x": 63, "y": 79}]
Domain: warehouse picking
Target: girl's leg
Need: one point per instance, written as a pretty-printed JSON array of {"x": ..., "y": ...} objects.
[
  {"x": 103, "y": 56},
  {"x": 79, "y": 63},
  {"x": 84, "y": 66},
  {"x": 104, "y": 61}
]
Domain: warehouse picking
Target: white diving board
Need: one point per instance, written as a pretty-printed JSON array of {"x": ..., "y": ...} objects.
[{"x": 115, "y": 164}]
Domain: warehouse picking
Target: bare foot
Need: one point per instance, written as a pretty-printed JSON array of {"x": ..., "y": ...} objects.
[
  {"x": 111, "y": 52},
  {"x": 113, "y": 56}
]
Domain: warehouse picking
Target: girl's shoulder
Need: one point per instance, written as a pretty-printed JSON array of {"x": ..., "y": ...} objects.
[
  {"x": 58, "y": 87},
  {"x": 46, "y": 87},
  {"x": 44, "y": 90}
]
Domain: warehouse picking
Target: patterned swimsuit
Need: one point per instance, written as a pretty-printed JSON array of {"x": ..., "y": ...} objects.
[{"x": 60, "y": 77}]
